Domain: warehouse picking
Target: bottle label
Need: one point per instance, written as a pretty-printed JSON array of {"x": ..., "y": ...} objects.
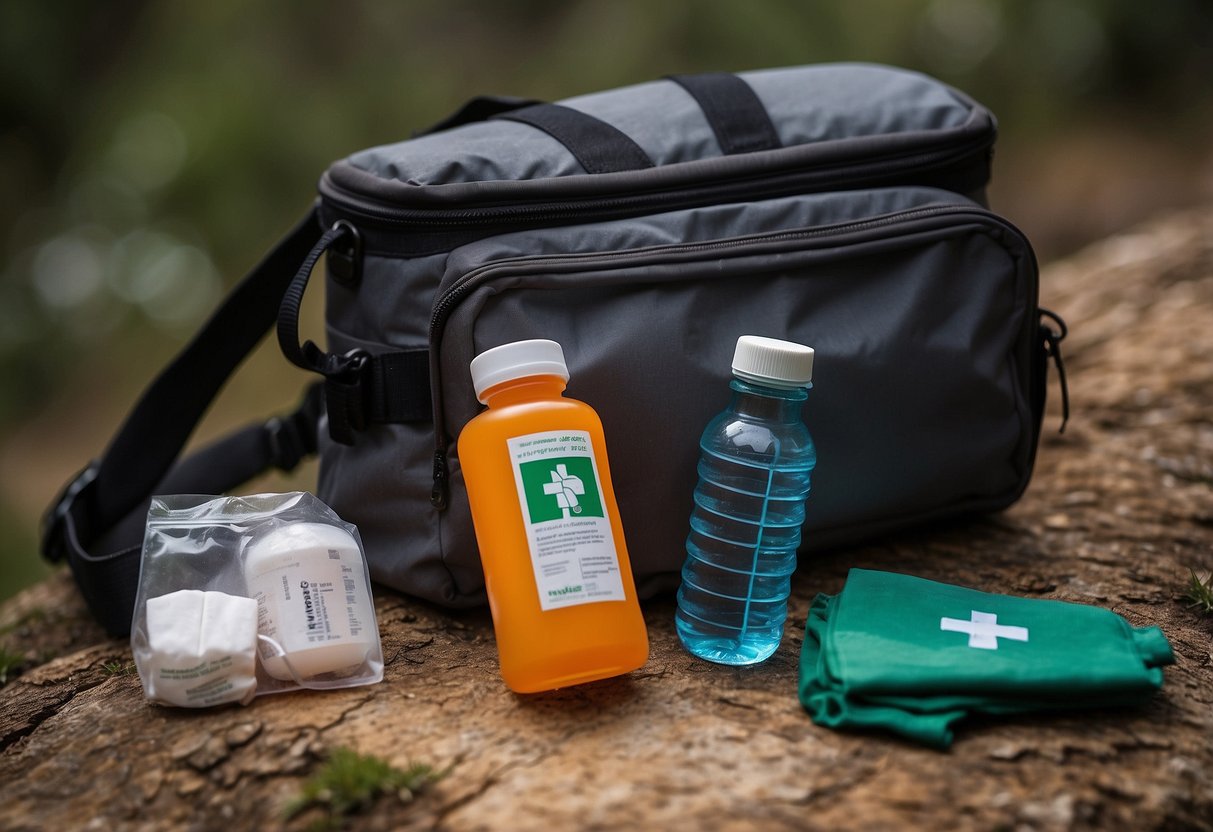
[{"x": 572, "y": 547}]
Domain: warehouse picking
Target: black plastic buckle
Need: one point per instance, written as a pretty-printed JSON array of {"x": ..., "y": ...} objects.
[
  {"x": 344, "y": 263},
  {"x": 293, "y": 437},
  {"x": 286, "y": 448},
  {"x": 1052, "y": 341},
  {"x": 347, "y": 368},
  {"x": 346, "y": 394},
  {"x": 54, "y": 547}
]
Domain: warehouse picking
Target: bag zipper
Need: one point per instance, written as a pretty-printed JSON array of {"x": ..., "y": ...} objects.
[
  {"x": 371, "y": 215},
  {"x": 556, "y": 264}
]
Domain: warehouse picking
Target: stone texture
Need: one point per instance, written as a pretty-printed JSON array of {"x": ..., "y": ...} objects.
[{"x": 1120, "y": 508}]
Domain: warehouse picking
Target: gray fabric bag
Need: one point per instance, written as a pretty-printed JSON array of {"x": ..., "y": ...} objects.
[{"x": 645, "y": 229}]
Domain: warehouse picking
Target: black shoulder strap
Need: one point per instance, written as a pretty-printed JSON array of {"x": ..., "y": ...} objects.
[
  {"x": 96, "y": 523},
  {"x": 737, "y": 116},
  {"x": 598, "y": 146}
]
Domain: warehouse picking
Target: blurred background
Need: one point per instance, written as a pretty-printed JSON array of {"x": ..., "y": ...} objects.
[{"x": 150, "y": 152}]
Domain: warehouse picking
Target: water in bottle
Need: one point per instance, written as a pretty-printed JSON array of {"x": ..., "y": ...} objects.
[{"x": 756, "y": 460}]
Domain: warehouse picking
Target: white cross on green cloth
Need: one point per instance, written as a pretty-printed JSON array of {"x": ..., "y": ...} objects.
[
  {"x": 983, "y": 629},
  {"x": 885, "y": 653}
]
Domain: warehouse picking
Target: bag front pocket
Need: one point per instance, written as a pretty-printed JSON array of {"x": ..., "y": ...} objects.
[{"x": 923, "y": 319}]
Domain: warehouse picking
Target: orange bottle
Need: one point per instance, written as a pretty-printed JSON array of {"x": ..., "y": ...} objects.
[{"x": 551, "y": 543}]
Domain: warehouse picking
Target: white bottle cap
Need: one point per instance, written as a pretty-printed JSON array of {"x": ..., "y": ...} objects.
[
  {"x": 772, "y": 362},
  {"x": 538, "y": 357}
]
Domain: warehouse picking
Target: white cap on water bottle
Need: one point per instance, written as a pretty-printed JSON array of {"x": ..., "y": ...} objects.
[
  {"x": 538, "y": 357},
  {"x": 773, "y": 362}
]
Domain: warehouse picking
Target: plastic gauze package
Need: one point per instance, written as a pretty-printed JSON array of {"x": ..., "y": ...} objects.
[
  {"x": 279, "y": 598},
  {"x": 201, "y": 649}
]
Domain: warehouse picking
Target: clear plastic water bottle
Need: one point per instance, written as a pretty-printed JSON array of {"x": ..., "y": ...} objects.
[{"x": 756, "y": 460}]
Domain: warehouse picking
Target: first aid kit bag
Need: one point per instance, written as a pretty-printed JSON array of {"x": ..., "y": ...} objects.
[{"x": 644, "y": 229}]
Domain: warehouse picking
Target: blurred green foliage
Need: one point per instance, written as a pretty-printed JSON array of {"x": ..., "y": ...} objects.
[{"x": 150, "y": 151}]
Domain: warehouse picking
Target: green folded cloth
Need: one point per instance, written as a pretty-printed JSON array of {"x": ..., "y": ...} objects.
[{"x": 914, "y": 657}]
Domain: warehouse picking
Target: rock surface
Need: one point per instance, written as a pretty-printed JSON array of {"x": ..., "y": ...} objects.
[{"x": 1121, "y": 506}]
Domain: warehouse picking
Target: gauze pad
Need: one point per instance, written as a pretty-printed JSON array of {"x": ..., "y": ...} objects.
[{"x": 201, "y": 649}]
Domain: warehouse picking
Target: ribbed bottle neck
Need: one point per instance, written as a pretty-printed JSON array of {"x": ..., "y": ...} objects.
[
  {"x": 525, "y": 389},
  {"x": 772, "y": 404}
]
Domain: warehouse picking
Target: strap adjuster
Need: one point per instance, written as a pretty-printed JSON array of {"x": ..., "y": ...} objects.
[
  {"x": 346, "y": 394},
  {"x": 1052, "y": 345},
  {"x": 54, "y": 547},
  {"x": 293, "y": 437}
]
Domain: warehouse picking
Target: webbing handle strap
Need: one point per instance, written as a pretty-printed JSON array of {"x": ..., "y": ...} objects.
[
  {"x": 734, "y": 111},
  {"x": 598, "y": 146},
  {"x": 736, "y": 114}
]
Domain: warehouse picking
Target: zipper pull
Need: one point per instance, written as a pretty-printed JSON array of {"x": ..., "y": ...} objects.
[
  {"x": 441, "y": 490},
  {"x": 1053, "y": 339}
]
